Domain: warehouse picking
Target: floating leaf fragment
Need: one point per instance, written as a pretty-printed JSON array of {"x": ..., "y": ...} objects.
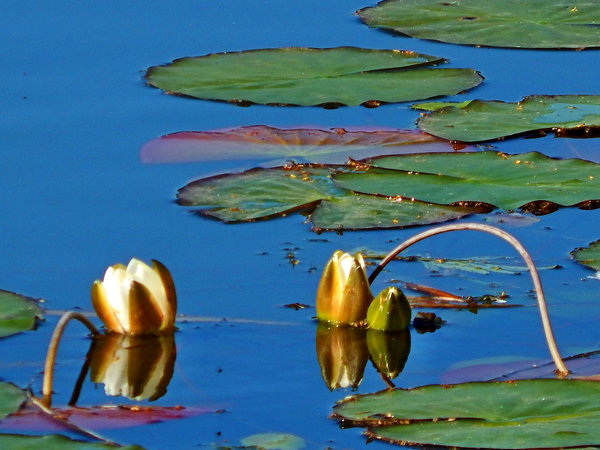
[
  {"x": 530, "y": 181},
  {"x": 17, "y": 313},
  {"x": 544, "y": 413},
  {"x": 311, "y": 76},
  {"x": 266, "y": 193},
  {"x": 300, "y": 145},
  {"x": 565, "y": 115},
  {"x": 588, "y": 256},
  {"x": 510, "y": 23}
]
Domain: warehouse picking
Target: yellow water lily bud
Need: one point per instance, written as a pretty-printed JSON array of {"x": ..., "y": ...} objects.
[
  {"x": 137, "y": 299},
  {"x": 342, "y": 354},
  {"x": 389, "y": 311},
  {"x": 136, "y": 367},
  {"x": 344, "y": 293}
]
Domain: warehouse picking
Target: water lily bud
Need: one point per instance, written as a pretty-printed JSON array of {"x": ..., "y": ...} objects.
[
  {"x": 137, "y": 299},
  {"x": 342, "y": 354},
  {"x": 389, "y": 311},
  {"x": 389, "y": 351},
  {"x": 136, "y": 367},
  {"x": 344, "y": 293}
]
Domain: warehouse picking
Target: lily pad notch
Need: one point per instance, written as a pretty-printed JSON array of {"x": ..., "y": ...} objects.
[{"x": 301, "y": 76}]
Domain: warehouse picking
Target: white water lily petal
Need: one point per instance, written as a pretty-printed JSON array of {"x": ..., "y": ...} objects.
[{"x": 146, "y": 275}]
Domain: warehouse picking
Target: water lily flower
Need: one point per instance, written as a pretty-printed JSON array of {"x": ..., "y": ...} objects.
[
  {"x": 137, "y": 299},
  {"x": 136, "y": 367},
  {"x": 342, "y": 354},
  {"x": 344, "y": 293},
  {"x": 389, "y": 311}
]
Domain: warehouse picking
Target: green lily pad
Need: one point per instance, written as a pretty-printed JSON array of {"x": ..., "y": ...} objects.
[
  {"x": 17, "y": 313},
  {"x": 566, "y": 115},
  {"x": 530, "y": 181},
  {"x": 510, "y": 23},
  {"x": 11, "y": 399},
  {"x": 300, "y": 145},
  {"x": 311, "y": 76},
  {"x": 267, "y": 193},
  {"x": 53, "y": 442},
  {"x": 274, "y": 441},
  {"x": 542, "y": 413},
  {"x": 588, "y": 256}
]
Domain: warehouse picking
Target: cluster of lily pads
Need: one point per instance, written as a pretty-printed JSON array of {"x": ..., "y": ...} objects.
[{"x": 139, "y": 302}]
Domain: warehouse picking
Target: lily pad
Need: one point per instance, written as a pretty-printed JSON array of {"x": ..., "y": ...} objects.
[
  {"x": 542, "y": 413},
  {"x": 17, "y": 313},
  {"x": 54, "y": 442},
  {"x": 267, "y": 193},
  {"x": 530, "y": 181},
  {"x": 588, "y": 256},
  {"x": 301, "y": 145},
  {"x": 311, "y": 76},
  {"x": 510, "y": 23},
  {"x": 11, "y": 399},
  {"x": 274, "y": 441},
  {"x": 566, "y": 115}
]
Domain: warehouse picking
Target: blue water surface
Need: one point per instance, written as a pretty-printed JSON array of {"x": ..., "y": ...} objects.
[{"x": 76, "y": 198}]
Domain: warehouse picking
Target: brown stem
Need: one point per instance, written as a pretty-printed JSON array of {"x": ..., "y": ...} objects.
[
  {"x": 560, "y": 366},
  {"x": 53, "y": 348}
]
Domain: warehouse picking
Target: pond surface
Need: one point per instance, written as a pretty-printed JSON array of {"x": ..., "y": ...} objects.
[{"x": 76, "y": 198}]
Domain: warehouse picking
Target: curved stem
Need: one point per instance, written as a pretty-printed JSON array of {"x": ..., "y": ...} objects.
[
  {"x": 541, "y": 300},
  {"x": 53, "y": 348}
]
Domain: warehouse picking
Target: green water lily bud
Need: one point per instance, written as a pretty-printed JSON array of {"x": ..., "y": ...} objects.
[
  {"x": 137, "y": 299},
  {"x": 389, "y": 311},
  {"x": 342, "y": 354},
  {"x": 388, "y": 351},
  {"x": 344, "y": 293},
  {"x": 136, "y": 367}
]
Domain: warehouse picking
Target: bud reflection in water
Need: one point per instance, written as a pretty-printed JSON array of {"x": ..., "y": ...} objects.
[
  {"x": 343, "y": 352},
  {"x": 136, "y": 367}
]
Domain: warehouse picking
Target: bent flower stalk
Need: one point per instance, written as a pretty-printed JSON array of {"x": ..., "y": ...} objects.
[{"x": 137, "y": 299}]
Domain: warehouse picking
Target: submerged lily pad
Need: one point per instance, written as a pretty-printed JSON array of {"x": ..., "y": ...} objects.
[
  {"x": 588, "y": 256},
  {"x": 509, "y": 23},
  {"x": 17, "y": 313},
  {"x": 566, "y": 115},
  {"x": 301, "y": 145},
  {"x": 273, "y": 441},
  {"x": 266, "y": 193},
  {"x": 542, "y": 413},
  {"x": 311, "y": 76},
  {"x": 531, "y": 181}
]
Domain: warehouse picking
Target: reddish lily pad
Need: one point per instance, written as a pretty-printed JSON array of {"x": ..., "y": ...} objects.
[{"x": 301, "y": 144}]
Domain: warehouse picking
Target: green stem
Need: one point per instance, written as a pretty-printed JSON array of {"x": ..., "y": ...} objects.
[
  {"x": 53, "y": 348},
  {"x": 541, "y": 300}
]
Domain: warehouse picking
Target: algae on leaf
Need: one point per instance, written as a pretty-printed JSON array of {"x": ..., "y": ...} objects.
[
  {"x": 543, "y": 413},
  {"x": 509, "y": 23},
  {"x": 311, "y": 76},
  {"x": 479, "y": 120}
]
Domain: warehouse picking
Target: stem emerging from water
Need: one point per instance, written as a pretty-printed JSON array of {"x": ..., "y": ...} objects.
[
  {"x": 53, "y": 348},
  {"x": 560, "y": 366}
]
